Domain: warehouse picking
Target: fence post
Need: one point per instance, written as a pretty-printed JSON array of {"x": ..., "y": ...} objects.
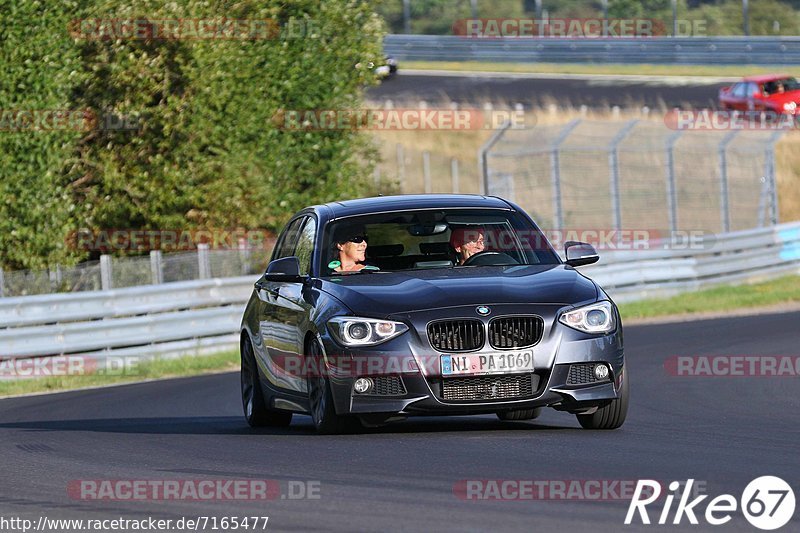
[
  {"x": 555, "y": 172},
  {"x": 771, "y": 177},
  {"x": 2, "y": 283},
  {"x": 105, "y": 273},
  {"x": 156, "y": 270},
  {"x": 454, "y": 174},
  {"x": 672, "y": 190},
  {"x": 725, "y": 213},
  {"x": 426, "y": 171},
  {"x": 483, "y": 156},
  {"x": 613, "y": 163},
  {"x": 401, "y": 167},
  {"x": 203, "y": 263}
]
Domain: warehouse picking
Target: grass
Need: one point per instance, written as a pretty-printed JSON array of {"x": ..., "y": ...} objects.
[
  {"x": 724, "y": 298},
  {"x": 728, "y": 71},
  {"x": 153, "y": 369}
]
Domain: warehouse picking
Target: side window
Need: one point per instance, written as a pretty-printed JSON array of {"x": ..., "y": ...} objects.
[
  {"x": 305, "y": 245},
  {"x": 739, "y": 90},
  {"x": 753, "y": 90},
  {"x": 288, "y": 239}
]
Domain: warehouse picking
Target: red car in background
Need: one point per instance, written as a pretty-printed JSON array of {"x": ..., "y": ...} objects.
[{"x": 778, "y": 93}]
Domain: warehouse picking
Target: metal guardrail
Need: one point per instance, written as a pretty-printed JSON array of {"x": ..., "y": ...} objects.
[
  {"x": 659, "y": 50},
  {"x": 741, "y": 256},
  {"x": 154, "y": 319},
  {"x": 203, "y": 316}
]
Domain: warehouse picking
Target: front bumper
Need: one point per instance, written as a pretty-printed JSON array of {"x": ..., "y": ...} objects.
[{"x": 411, "y": 368}]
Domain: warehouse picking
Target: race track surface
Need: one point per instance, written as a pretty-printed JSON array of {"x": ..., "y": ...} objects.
[
  {"x": 723, "y": 431},
  {"x": 535, "y": 92}
]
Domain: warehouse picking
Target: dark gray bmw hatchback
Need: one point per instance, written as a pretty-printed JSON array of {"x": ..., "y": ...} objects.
[{"x": 377, "y": 309}]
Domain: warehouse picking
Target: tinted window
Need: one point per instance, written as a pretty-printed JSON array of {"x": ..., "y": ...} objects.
[
  {"x": 288, "y": 239},
  {"x": 739, "y": 90},
  {"x": 305, "y": 245}
]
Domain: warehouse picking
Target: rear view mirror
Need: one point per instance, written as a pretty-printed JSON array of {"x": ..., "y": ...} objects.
[{"x": 423, "y": 230}]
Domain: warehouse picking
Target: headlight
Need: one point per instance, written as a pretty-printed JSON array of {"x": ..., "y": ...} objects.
[
  {"x": 789, "y": 106},
  {"x": 355, "y": 331},
  {"x": 594, "y": 318}
]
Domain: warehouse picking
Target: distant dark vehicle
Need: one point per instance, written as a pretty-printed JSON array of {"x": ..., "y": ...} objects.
[
  {"x": 776, "y": 93},
  {"x": 377, "y": 309},
  {"x": 388, "y": 69}
]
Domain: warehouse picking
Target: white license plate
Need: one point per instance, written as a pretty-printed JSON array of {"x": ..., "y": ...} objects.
[{"x": 487, "y": 363}]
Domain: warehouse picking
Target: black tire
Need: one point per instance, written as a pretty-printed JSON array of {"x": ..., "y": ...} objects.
[
  {"x": 255, "y": 407},
  {"x": 520, "y": 414},
  {"x": 320, "y": 398},
  {"x": 612, "y": 415}
]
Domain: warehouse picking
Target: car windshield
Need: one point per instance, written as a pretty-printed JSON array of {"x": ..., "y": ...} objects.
[
  {"x": 428, "y": 239},
  {"x": 781, "y": 86}
]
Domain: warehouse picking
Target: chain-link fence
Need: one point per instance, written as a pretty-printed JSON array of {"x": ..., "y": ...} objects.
[
  {"x": 413, "y": 171},
  {"x": 118, "y": 272},
  {"x": 635, "y": 174}
]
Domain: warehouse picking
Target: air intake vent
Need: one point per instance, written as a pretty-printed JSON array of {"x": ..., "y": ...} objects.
[
  {"x": 515, "y": 331},
  {"x": 489, "y": 387},
  {"x": 456, "y": 335},
  {"x": 582, "y": 374},
  {"x": 388, "y": 386}
]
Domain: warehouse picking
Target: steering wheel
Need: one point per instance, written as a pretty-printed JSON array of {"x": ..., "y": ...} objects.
[{"x": 490, "y": 258}]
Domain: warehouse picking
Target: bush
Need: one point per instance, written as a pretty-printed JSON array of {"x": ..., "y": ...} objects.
[{"x": 206, "y": 151}]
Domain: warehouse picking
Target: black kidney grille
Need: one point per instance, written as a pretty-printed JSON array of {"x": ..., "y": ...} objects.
[
  {"x": 515, "y": 331},
  {"x": 488, "y": 387},
  {"x": 456, "y": 335}
]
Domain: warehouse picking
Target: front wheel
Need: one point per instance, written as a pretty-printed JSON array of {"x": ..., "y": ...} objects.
[
  {"x": 320, "y": 398},
  {"x": 255, "y": 407},
  {"x": 612, "y": 415}
]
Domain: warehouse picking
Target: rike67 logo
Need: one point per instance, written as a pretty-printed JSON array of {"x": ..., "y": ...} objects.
[{"x": 767, "y": 503}]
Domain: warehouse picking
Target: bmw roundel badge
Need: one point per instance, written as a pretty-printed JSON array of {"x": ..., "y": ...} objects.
[{"x": 483, "y": 310}]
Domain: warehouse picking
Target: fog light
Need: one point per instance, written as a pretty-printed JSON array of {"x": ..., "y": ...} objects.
[
  {"x": 363, "y": 385},
  {"x": 601, "y": 371}
]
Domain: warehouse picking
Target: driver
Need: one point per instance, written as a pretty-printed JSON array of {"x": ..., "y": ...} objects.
[{"x": 467, "y": 242}]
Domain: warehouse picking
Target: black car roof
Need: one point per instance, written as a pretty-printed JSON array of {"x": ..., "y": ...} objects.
[{"x": 376, "y": 204}]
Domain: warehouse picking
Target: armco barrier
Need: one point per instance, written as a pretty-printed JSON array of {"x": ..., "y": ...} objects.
[
  {"x": 735, "y": 257},
  {"x": 657, "y": 50},
  {"x": 203, "y": 316}
]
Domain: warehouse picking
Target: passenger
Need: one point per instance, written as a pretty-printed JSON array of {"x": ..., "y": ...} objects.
[
  {"x": 350, "y": 249},
  {"x": 466, "y": 242}
]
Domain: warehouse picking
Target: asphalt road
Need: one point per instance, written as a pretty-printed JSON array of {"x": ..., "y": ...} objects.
[
  {"x": 721, "y": 431},
  {"x": 533, "y": 92}
]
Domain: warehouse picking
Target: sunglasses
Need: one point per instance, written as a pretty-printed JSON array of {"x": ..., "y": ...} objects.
[{"x": 357, "y": 239}]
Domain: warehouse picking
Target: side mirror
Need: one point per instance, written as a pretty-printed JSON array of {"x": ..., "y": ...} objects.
[
  {"x": 286, "y": 269},
  {"x": 580, "y": 253}
]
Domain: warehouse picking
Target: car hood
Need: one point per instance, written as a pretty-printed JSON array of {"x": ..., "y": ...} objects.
[{"x": 387, "y": 293}]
